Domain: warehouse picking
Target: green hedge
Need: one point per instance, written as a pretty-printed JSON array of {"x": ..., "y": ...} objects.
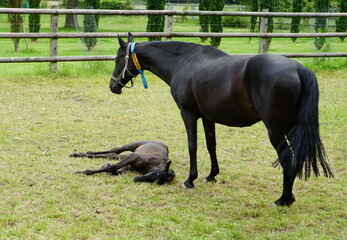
[
  {"x": 116, "y": 5},
  {"x": 3, "y": 3}
]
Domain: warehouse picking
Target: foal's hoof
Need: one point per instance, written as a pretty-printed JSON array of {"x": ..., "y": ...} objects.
[
  {"x": 106, "y": 165},
  {"x": 285, "y": 202},
  {"x": 86, "y": 172},
  {"x": 77, "y": 155}
]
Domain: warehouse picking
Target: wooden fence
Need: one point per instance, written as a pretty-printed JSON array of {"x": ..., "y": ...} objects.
[{"x": 55, "y": 35}]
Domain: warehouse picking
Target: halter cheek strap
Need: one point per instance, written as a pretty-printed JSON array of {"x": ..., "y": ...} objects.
[{"x": 137, "y": 65}]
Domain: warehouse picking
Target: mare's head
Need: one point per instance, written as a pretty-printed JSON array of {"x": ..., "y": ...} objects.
[
  {"x": 125, "y": 69},
  {"x": 159, "y": 176}
]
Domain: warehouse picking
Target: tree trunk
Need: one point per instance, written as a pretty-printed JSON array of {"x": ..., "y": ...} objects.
[{"x": 70, "y": 19}]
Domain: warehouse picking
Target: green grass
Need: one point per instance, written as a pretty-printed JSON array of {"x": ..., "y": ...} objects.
[{"x": 45, "y": 117}]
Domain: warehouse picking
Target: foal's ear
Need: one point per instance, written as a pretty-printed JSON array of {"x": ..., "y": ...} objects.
[
  {"x": 167, "y": 166},
  {"x": 130, "y": 37},
  {"x": 121, "y": 42}
]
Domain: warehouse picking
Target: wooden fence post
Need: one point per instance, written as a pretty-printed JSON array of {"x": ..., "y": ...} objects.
[
  {"x": 263, "y": 29},
  {"x": 54, "y": 42},
  {"x": 168, "y": 23}
]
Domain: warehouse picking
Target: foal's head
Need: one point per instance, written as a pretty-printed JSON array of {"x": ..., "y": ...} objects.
[
  {"x": 159, "y": 176},
  {"x": 125, "y": 69}
]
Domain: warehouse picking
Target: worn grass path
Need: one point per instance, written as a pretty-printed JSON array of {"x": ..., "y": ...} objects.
[{"x": 43, "y": 119}]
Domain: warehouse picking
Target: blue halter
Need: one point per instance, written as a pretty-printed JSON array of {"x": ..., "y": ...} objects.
[{"x": 137, "y": 65}]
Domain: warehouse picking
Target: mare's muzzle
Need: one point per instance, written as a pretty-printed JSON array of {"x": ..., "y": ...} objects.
[{"x": 115, "y": 87}]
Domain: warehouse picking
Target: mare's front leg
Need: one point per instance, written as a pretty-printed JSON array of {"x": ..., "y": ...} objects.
[
  {"x": 190, "y": 123},
  {"x": 210, "y": 135}
]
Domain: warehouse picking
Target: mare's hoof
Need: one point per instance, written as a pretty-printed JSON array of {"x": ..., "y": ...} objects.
[
  {"x": 187, "y": 185},
  {"x": 212, "y": 180},
  {"x": 285, "y": 202}
]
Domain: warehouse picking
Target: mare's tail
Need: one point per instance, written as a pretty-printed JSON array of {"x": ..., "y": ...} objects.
[{"x": 303, "y": 148}]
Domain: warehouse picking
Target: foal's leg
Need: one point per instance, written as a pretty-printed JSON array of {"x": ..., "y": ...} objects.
[
  {"x": 114, "y": 168},
  {"x": 103, "y": 154},
  {"x": 112, "y": 153},
  {"x": 190, "y": 123},
  {"x": 210, "y": 135}
]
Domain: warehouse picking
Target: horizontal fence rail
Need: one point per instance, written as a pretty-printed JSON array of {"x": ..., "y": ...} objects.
[
  {"x": 54, "y": 35},
  {"x": 112, "y": 57},
  {"x": 169, "y": 35},
  {"x": 162, "y": 12}
]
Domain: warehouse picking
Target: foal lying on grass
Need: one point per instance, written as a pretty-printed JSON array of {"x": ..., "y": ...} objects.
[{"x": 150, "y": 158}]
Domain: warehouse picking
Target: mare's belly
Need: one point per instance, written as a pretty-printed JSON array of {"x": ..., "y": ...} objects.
[{"x": 230, "y": 113}]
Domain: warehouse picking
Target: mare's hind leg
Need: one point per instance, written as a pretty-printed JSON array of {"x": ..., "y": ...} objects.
[
  {"x": 210, "y": 135},
  {"x": 277, "y": 138}
]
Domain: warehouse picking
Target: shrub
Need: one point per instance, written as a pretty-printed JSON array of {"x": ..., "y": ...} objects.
[
  {"x": 236, "y": 21},
  {"x": 116, "y": 5},
  {"x": 89, "y": 23}
]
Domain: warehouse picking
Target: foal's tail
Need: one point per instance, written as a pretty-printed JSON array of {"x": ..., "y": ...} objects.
[{"x": 303, "y": 147}]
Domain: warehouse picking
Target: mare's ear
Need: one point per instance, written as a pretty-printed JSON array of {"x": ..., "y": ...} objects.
[
  {"x": 121, "y": 42},
  {"x": 130, "y": 37},
  {"x": 167, "y": 166}
]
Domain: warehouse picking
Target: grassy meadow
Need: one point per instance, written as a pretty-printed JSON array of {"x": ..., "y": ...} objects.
[{"x": 45, "y": 116}]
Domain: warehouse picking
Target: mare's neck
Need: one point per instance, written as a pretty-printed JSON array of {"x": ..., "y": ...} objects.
[{"x": 162, "y": 58}]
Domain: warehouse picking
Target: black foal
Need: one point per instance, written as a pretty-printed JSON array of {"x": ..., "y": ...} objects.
[{"x": 150, "y": 158}]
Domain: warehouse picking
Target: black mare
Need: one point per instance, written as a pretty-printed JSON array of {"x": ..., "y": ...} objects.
[{"x": 236, "y": 91}]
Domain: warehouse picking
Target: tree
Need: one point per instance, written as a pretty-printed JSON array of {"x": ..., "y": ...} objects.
[
  {"x": 216, "y": 24},
  {"x": 34, "y": 19},
  {"x": 341, "y": 23},
  {"x": 320, "y": 22},
  {"x": 295, "y": 26},
  {"x": 90, "y": 24},
  {"x": 16, "y": 21},
  {"x": 70, "y": 19},
  {"x": 93, "y": 4},
  {"x": 254, "y": 8},
  {"x": 155, "y": 23},
  {"x": 3, "y": 3},
  {"x": 204, "y": 5},
  {"x": 212, "y": 23}
]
